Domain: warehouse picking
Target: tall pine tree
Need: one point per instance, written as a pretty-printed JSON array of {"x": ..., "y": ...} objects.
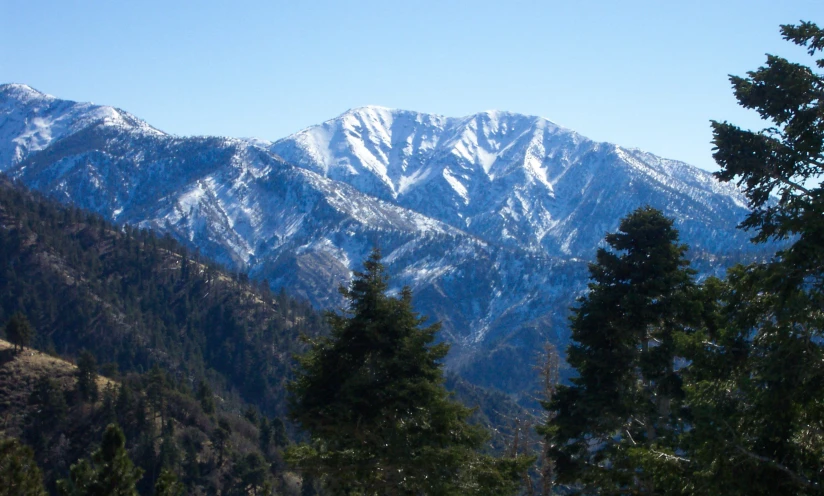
[
  {"x": 623, "y": 404},
  {"x": 756, "y": 390},
  {"x": 19, "y": 331},
  {"x": 110, "y": 472},
  {"x": 19, "y": 473},
  {"x": 87, "y": 377},
  {"x": 372, "y": 398}
]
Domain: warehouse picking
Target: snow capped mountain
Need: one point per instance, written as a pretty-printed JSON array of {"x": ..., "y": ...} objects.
[
  {"x": 509, "y": 178},
  {"x": 30, "y": 121},
  {"x": 489, "y": 218}
]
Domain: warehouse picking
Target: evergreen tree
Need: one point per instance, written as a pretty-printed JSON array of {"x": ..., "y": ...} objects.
[
  {"x": 168, "y": 485},
  {"x": 87, "y": 377},
  {"x": 206, "y": 397},
  {"x": 50, "y": 410},
  {"x": 110, "y": 472},
  {"x": 19, "y": 473},
  {"x": 623, "y": 404},
  {"x": 265, "y": 435},
  {"x": 154, "y": 390},
  {"x": 249, "y": 476},
  {"x": 755, "y": 390},
  {"x": 372, "y": 398},
  {"x": 221, "y": 437},
  {"x": 780, "y": 168},
  {"x": 279, "y": 433},
  {"x": 124, "y": 406},
  {"x": 19, "y": 331}
]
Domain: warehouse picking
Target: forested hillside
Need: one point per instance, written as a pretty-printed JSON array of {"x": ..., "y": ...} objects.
[
  {"x": 215, "y": 349},
  {"x": 135, "y": 300},
  {"x": 61, "y": 411}
]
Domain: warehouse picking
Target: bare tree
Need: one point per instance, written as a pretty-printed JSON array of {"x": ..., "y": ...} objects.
[{"x": 548, "y": 371}]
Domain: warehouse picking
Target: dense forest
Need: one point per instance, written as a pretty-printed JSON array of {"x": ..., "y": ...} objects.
[{"x": 135, "y": 300}]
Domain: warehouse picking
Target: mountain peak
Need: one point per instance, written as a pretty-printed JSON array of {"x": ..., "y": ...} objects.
[
  {"x": 370, "y": 108},
  {"x": 22, "y": 92}
]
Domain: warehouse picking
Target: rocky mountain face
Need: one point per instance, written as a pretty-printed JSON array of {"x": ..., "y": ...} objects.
[
  {"x": 489, "y": 218},
  {"x": 512, "y": 179}
]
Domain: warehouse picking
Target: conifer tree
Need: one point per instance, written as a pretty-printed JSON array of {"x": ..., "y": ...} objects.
[
  {"x": 249, "y": 476},
  {"x": 168, "y": 485},
  {"x": 19, "y": 331},
  {"x": 19, "y": 473},
  {"x": 206, "y": 397},
  {"x": 109, "y": 473},
  {"x": 221, "y": 437},
  {"x": 372, "y": 398},
  {"x": 755, "y": 391},
  {"x": 154, "y": 391},
  {"x": 87, "y": 377},
  {"x": 50, "y": 410},
  {"x": 624, "y": 401}
]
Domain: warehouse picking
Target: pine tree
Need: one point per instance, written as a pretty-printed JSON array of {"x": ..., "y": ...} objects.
[
  {"x": 206, "y": 397},
  {"x": 168, "y": 485},
  {"x": 19, "y": 473},
  {"x": 19, "y": 331},
  {"x": 372, "y": 398},
  {"x": 154, "y": 391},
  {"x": 756, "y": 379},
  {"x": 110, "y": 472},
  {"x": 221, "y": 438},
  {"x": 780, "y": 167},
  {"x": 87, "y": 377},
  {"x": 250, "y": 476},
  {"x": 623, "y": 402},
  {"x": 50, "y": 410}
]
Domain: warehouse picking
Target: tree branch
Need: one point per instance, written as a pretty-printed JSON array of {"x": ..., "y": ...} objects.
[{"x": 798, "y": 479}]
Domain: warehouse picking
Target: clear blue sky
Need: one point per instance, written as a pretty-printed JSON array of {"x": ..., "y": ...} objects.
[{"x": 643, "y": 74}]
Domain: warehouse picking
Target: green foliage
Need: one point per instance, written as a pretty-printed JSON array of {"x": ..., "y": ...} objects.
[
  {"x": 625, "y": 401},
  {"x": 51, "y": 409},
  {"x": 756, "y": 381},
  {"x": 250, "y": 476},
  {"x": 779, "y": 166},
  {"x": 746, "y": 416},
  {"x": 372, "y": 398},
  {"x": 221, "y": 440},
  {"x": 138, "y": 300},
  {"x": 154, "y": 390},
  {"x": 87, "y": 377},
  {"x": 168, "y": 485},
  {"x": 206, "y": 397},
  {"x": 162, "y": 318},
  {"x": 19, "y": 473},
  {"x": 19, "y": 331},
  {"x": 110, "y": 473}
]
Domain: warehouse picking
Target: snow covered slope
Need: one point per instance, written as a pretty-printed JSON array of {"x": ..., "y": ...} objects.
[
  {"x": 30, "y": 121},
  {"x": 510, "y": 178},
  {"x": 489, "y": 218}
]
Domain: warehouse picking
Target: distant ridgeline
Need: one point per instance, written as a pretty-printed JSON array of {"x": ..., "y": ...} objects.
[
  {"x": 149, "y": 310},
  {"x": 490, "y": 218}
]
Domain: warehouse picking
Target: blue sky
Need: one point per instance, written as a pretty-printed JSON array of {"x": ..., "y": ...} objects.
[{"x": 643, "y": 74}]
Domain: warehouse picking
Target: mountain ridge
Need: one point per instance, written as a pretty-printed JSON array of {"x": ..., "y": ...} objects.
[{"x": 488, "y": 218}]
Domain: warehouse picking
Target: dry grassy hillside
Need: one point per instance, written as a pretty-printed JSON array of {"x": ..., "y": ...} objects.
[{"x": 20, "y": 371}]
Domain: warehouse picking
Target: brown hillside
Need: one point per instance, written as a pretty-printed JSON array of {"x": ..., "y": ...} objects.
[{"x": 19, "y": 371}]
